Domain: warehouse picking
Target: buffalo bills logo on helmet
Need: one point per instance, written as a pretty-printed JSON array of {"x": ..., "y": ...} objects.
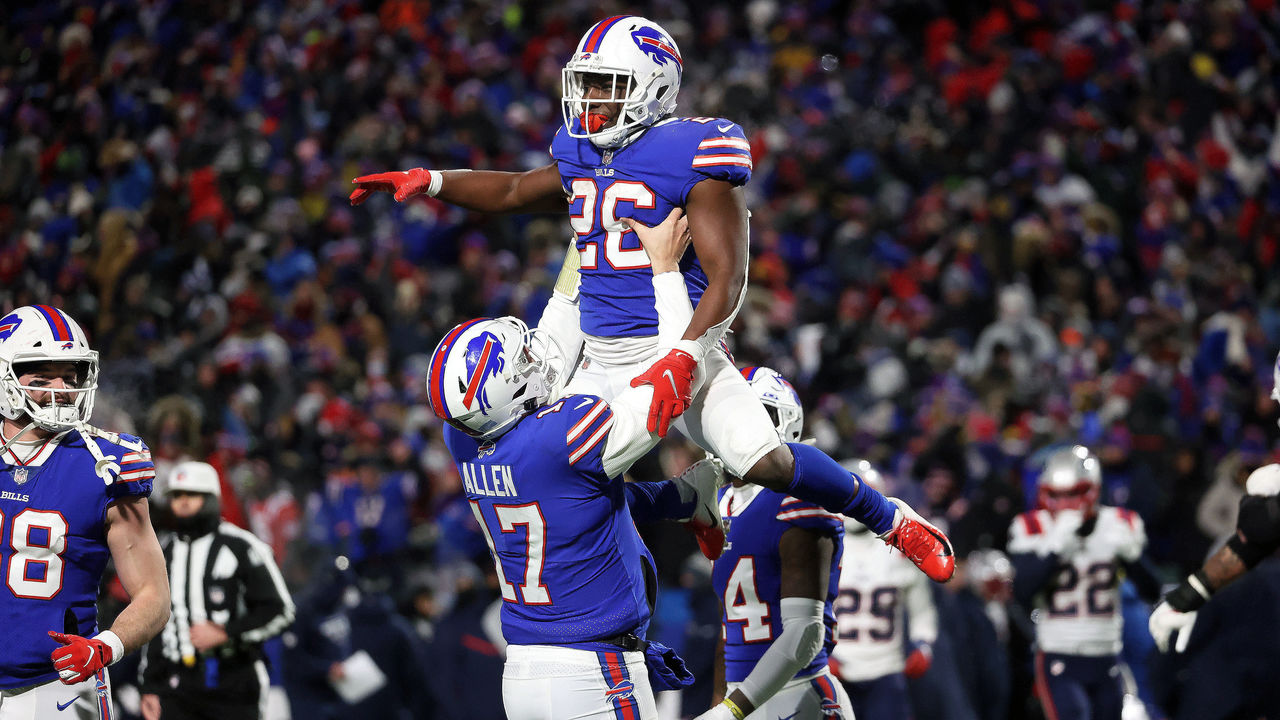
[
  {"x": 484, "y": 360},
  {"x": 656, "y": 45},
  {"x": 621, "y": 691},
  {"x": 8, "y": 325}
]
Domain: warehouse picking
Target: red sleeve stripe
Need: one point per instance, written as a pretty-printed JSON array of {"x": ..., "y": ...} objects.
[
  {"x": 725, "y": 142},
  {"x": 1031, "y": 523},
  {"x": 809, "y": 512},
  {"x": 585, "y": 422},
  {"x": 595, "y": 439},
  {"x": 788, "y": 500},
  {"x": 136, "y": 475},
  {"x": 710, "y": 160}
]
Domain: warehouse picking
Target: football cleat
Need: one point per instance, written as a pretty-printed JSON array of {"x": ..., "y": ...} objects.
[
  {"x": 701, "y": 481},
  {"x": 924, "y": 544}
]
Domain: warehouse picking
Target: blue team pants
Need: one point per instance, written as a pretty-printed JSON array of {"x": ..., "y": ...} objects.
[{"x": 1079, "y": 687}]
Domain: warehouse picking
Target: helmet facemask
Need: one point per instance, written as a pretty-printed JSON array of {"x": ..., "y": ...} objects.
[{"x": 64, "y": 408}]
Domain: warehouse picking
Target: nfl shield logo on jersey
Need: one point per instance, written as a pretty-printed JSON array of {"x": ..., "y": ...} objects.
[{"x": 20, "y": 475}]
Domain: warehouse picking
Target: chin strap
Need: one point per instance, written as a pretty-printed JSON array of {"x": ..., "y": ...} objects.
[
  {"x": 16, "y": 435},
  {"x": 106, "y": 466}
]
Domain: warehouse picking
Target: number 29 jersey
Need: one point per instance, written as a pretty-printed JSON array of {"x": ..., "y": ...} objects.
[
  {"x": 1078, "y": 612},
  {"x": 53, "y": 544},
  {"x": 643, "y": 180},
  {"x": 571, "y": 565},
  {"x": 748, "y": 576}
]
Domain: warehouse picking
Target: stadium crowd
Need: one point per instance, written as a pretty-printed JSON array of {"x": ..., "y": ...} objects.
[{"x": 978, "y": 230}]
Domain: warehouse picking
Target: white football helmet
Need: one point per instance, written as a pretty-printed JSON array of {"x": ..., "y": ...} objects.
[
  {"x": 1071, "y": 480},
  {"x": 639, "y": 61},
  {"x": 38, "y": 334},
  {"x": 195, "y": 477},
  {"x": 779, "y": 398},
  {"x": 487, "y": 374}
]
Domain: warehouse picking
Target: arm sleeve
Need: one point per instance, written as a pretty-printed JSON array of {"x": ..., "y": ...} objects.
[
  {"x": 795, "y": 648},
  {"x": 1031, "y": 573},
  {"x": 922, "y": 615},
  {"x": 268, "y": 607},
  {"x": 560, "y": 318},
  {"x": 653, "y": 501},
  {"x": 1145, "y": 578},
  {"x": 629, "y": 437}
]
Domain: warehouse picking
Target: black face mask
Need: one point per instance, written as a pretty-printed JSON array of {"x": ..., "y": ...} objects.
[{"x": 202, "y": 523}]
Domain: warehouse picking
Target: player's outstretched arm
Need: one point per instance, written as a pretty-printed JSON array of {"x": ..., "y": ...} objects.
[
  {"x": 490, "y": 191},
  {"x": 672, "y": 375},
  {"x": 718, "y": 224}
]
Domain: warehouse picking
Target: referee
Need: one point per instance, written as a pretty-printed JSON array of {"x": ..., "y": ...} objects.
[{"x": 228, "y": 597}]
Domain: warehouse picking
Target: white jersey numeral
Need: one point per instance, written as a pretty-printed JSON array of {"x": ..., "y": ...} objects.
[
  {"x": 640, "y": 196},
  {"x": 38, "y": 539},
  {"x": 742, "y": 602},
  {"x": 532, "y": 591}
]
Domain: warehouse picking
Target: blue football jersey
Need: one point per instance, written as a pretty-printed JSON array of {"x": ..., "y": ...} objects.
[
  {"x": 643, "y": 180},
  {"x": 571, "y": 565},
  {"x": 748, "y": 576},
  {"x": 53, "y": 544}
]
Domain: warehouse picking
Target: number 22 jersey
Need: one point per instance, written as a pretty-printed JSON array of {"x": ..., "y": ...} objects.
[
  {"x": 644, "y": 180},
  {"x": 53, "y": 544}
]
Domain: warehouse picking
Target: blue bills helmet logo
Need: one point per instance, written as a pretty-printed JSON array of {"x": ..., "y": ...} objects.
[
  {"x": 8, "y": 325},
  {"x": 652, "y": 43},
  {"x": 484, "y": 360}
]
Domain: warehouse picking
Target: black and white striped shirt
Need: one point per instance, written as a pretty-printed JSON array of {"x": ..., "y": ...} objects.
[{"x": 226, "y": 577}]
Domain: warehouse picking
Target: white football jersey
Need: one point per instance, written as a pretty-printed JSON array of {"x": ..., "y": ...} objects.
[
  {"x": 879, "y": 588},
  {"x": 1078, "y": 612}
]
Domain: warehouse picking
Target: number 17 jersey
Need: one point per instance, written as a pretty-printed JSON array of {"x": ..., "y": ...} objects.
[
  {"x": 644, "y": 180},
  {"x": 571, "y": 565}
]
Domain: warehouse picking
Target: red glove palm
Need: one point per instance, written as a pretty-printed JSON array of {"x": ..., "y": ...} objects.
[
  {"x": 672, "y": 381},
  {"x": 405, "y": 184},
  {"x": 918, "y": 661},
  {"x": 79, "y": 657}
]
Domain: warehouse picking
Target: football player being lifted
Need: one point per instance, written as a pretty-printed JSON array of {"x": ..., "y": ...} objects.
[
  {"x": 776, "y": 582},
  {"x": 71, "y": 495},
  {"x": 1069, "y": 556},
  {"x": 622, "y": 154},
  {"x": 1257, "y": 537}
]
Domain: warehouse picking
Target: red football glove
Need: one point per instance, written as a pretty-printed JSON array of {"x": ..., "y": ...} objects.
[
  {"x": 918, "y": 661},
  {"x": 405, "y": 184},
  {"x": 672, "y": 381},
  {"x": 79, "y": 657}
]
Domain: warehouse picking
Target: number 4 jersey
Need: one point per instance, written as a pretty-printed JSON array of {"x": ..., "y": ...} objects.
[
  {"x": 53, "y": 544},
  {"x": 643, "y": 180},
  {"x": 748, "y": 576},
  {"x": 1078, "y": 612}
]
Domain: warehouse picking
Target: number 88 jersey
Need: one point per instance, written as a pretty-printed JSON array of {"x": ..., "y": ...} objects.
[
  {"x": 1078, "y": 611},
  {"x": 644, "y": 180}
]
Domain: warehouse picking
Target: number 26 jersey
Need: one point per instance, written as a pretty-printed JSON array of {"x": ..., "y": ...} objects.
[{"x": 643, "y": 180}]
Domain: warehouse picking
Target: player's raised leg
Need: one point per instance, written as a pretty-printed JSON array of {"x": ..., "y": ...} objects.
[{"x": 726, "y": 418}]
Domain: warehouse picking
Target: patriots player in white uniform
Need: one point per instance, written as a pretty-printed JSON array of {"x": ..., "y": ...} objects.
[
  {"x": 883, "y": 603},
  {"x": 70, "y": 496},
  {"x": 776, "y": 582},
  {"x": 1257, "y": 537},
  {"x": 623, "y": 154},
  {"x": 1068, "y": 556}
]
